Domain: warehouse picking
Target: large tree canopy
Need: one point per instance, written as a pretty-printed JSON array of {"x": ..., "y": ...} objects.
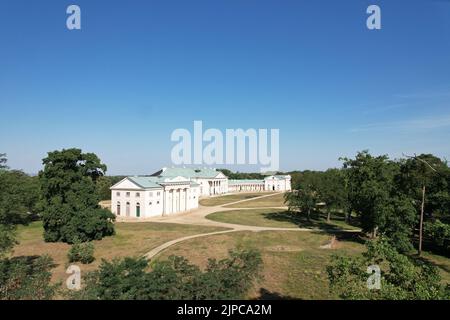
[
  {"x": 432, "y": 173},
  {"x": 18, "y": 196},
  {"x": 374, "y": 196},
  {"x": 70, "y": 209}
]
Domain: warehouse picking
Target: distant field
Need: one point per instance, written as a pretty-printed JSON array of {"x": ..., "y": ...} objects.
[
  {"x": 218, "y": 201},
  {"x": 276, "y": 200},
  {"x": 279, "y": 218},
  {"x": 131, "y": 239}
]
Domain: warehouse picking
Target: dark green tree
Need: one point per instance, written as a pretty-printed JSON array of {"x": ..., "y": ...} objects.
[
  {"x": 303, "y": 200},
  {"x": 69, "y": 204},
  {"x": 174, "y": 278},
  {"x": 425, "y": 178},
  {"x": 402, "y": 277},
  {"x": 27, "y": 278},
  {"x": 375, "y": 197},
  {"x": 3, "y": 161},
  {"x": 333, "y": 191},
  {"x": 18, "y": 196}
]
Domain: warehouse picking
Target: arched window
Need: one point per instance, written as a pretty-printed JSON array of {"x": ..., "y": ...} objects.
[
  {"x": 118, "y": 208},
  {"x": 138, "y": 210},
  {"x": 128, "y": 209}
]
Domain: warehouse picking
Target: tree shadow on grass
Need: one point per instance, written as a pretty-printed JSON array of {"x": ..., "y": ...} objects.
[
  {"x": 265, "y": 294},
  {"x": 316, "y": 221}
]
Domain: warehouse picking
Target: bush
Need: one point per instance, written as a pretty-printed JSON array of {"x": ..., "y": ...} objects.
[
  {"x": 81, "y": 252},
  {"x": 402, "y": 277},
  {"x": 26, "y": 278},
  {"x": 173, "y": 279},
  {"x": 438, "y": 233}
]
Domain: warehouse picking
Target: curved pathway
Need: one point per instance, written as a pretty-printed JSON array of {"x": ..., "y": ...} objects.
[{"x": 198, "y": 217}]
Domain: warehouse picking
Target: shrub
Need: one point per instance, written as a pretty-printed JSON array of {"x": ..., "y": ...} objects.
[
  {"x": 173, "y": 279},
  {"x": 402, "y": 277},
  {"x": 26, "y": 278},
  {"x": 81, "y": 252}
]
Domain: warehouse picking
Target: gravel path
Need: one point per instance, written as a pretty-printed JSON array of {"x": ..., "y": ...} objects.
[{"x": 198, "y": 217}]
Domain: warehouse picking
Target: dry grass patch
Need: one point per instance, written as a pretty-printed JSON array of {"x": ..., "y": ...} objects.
[
  {"x": 294, "y": 265},
  {"x": 131, "y": 239}
]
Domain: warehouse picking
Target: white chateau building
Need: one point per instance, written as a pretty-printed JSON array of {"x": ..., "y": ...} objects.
[{"x": 173, "y": 190}]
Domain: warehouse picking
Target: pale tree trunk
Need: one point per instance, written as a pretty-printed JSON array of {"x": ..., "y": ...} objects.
[
  {"x": 374, "y": 232},
  {"x": 422, "y": 209},
  {"x": 329, "y": 215},
  {"x": 309, "y": 215}
]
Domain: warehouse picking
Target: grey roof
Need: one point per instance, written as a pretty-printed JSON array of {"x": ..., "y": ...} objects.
[
  {"x": 187, "y": 172},
  {"x": 145, "y": 182}
]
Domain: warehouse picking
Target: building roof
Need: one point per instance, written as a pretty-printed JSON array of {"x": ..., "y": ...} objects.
[
  {"x": 145, "y": 182},
  {"x": 241, "y": 181},
  {"x": 187, "y": 172},
  {"x": 278, "y": 177}
]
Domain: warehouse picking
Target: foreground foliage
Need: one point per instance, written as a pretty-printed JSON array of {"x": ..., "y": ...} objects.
[
  {"x": 81, "y": 252},
  {"x": 26, "y": 278},
  {"x": 175, "y": 278},
  {"x": 402, "y": 277},
  {"x": 69, "y": 205}
]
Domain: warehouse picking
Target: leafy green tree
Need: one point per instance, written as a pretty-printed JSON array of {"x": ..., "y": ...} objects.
[
  {"x": 303, "y": 200},
  {"x": 103, "y": 184},
  {"x": 3, "y": 161},
  {"x": 333, "y": 191},
  {"x": 370, "y": 186},
  {"x": 26, "y": 278},
  {"x": 439, "y": 234},
  {"x": 402, "y": 277},
  {"x": 69, "y": 203},
  {"x": 241, "y": 175},
  {"x": 81, "y": 252},
  {"x": 425, "y": 178},
  {"x": 174, "y": 278},
  {"x": 18, "y": 196}
]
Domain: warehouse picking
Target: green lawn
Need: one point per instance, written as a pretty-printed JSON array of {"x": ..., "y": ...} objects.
[
  {"x": 279, "y": 218},
  {"x": 131, "y": 239},
  {"x": 218, "y": 201},
  {"x": 277, "y": 200}
]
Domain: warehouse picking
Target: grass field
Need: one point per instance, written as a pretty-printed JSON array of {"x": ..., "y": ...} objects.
[
  {"x": 131, "y": 239},
  {"x": 276, "y": 200},
  {"x": 279, "y": 218},
  {"x": 218, "y": 201},
  {"x": 294, "y": 264}
]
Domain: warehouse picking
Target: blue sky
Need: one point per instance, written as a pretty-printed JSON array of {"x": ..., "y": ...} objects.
[{"x": 140, "y": 69}]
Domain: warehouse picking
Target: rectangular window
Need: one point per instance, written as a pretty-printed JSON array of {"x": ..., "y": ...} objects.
[
  {"x": 158, "y": 193},
  {"x": 127, "y": 194},
  {"x": 138, "y": 194},
  {"x": 150, "y": 194},
  {"x": 157, "y": 202},
  {"x": 118, "y": 194}
]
